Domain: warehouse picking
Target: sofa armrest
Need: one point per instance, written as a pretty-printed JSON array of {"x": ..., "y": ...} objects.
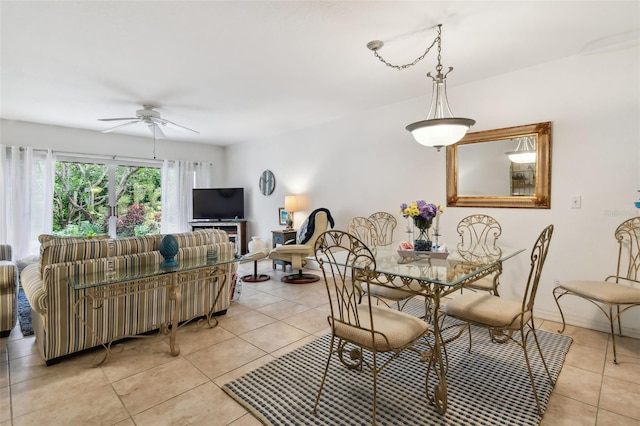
[
  {"x": 34, "y": 288},
  {"x": 8, "y": 275},
  {"x": 5, "y": 252}
]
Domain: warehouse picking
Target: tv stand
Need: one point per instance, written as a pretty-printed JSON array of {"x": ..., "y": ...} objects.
[{"x": 237, "y": 230}]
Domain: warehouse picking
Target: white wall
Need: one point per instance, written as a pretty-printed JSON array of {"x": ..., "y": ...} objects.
[{"x": 369, "y": 163}]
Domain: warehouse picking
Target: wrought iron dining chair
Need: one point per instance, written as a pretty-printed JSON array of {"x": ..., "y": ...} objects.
[
  {"x": 365, "y": 230},
  {"x": 346, "y": 264},
  {"x": 478, "y": 235},
  {"x": 504, "y": 317},
  {"x": 621, "y": 290},
  {"x": 385, "y": 223}
]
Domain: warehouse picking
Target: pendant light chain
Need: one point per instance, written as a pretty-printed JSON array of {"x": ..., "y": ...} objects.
[{"x": 377, "y": 45}]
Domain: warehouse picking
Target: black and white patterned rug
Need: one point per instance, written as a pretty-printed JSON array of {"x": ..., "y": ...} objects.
[{"x": 489, "y": 386}]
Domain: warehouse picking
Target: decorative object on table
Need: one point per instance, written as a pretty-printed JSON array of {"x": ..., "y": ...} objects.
[
  {"x": 168, "y": 250},
  {"x": 440, "y": 128},
  {"x": 282, "y": 216},
  {"x": 422, "y": 214},
  {"x": 256, "y": 244},
  {"x": 212, "y": 252},
  {"x": 290, "y": 205},
  {"x": 267, "y": 182}
]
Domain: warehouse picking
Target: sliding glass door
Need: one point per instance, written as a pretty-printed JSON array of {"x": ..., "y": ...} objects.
[{"x": 94, "y": 198}]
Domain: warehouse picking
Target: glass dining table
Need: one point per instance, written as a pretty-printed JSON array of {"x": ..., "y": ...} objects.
[{"x": 435, "y": 275}]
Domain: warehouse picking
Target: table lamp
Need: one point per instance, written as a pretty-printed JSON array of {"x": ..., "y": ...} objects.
[{"x": 290, "y": 206}]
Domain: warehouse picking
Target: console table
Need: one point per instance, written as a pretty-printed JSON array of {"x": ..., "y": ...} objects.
[
  {"x": 237, "y": 230},
  {"x": 106, "y": 283}
]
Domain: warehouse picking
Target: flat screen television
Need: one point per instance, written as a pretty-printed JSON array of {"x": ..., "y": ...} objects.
[{"x": 218, "y": 203}]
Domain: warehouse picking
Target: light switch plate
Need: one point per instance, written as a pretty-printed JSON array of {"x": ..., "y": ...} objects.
[{"x": 576, "y": 202}]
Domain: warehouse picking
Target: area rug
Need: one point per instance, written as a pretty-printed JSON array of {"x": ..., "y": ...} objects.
[
  {"x": 24, "y": 314},
  {"x": 490, "y": 385}
]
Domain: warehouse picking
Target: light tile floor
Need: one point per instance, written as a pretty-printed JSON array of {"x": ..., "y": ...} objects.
[{"x": 145, "y": 385}]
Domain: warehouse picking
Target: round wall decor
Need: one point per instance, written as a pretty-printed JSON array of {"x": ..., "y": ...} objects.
[{"x": 267, "y": 182}]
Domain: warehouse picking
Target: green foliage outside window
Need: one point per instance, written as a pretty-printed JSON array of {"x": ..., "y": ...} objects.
[{"x": 81, "y": 200}]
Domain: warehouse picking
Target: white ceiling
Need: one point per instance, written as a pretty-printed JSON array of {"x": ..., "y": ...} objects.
[{"x": 242, "y": 70}]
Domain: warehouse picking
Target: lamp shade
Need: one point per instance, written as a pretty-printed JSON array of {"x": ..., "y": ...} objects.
[
  {"x": 440, "y": 132},
  {"x": 522, "y": 157},
  {"x": 290, "y": 203},
  {"x": 525, "y": 151}
]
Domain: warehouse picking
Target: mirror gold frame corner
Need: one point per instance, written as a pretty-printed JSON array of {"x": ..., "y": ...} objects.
[{"x": 541, "y": 199}]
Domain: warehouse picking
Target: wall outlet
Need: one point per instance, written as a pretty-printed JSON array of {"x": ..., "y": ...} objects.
[{"x": 576, "y": 202}]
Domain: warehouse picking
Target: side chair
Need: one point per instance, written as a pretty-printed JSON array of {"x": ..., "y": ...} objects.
[
  {"x": 384, "y": 223},
  {"x": 478, "y": 237},
  {"x": 503, "y": 317},
  {"x": 621, "y": 290},
  {"x": 347, "y": 264},
  {"x": 365, "y": 230}
]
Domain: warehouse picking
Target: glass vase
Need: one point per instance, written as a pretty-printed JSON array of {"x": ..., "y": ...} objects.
[{"x": 421, "y": 241}]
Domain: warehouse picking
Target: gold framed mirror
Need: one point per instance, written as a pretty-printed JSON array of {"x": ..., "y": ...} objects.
[{"x": 482, "y": 171}]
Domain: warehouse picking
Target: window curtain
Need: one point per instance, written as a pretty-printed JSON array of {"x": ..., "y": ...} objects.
[
  {"x": 26, "y": 204},
  {"x": 203, "y": 175},
  {"x": 178, "y": 180}
]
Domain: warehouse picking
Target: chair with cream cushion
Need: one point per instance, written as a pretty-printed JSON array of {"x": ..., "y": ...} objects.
[
  {"x": 346, "y": 263},
  {"x": 365, "y": 230},
  {"x": 620, "y": 291},
  {"x": 478, "y": 237},
  {"x": 504, "y": 317},
  {"x": 317, "y": 222}
]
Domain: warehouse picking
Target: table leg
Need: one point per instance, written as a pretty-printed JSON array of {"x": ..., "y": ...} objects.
[
  {"x": 438, "y": 361},
  {"x": 176, "y": 296}
]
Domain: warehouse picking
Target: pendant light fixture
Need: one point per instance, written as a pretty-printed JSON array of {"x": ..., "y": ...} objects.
[
  {"x": 525, "y": 151},
  {"x": 440, "y": 128}
]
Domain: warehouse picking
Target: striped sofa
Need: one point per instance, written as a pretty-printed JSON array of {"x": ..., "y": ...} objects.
[
  {"x": 8, "y": 291},
  {"x": 55, "y": 303}
]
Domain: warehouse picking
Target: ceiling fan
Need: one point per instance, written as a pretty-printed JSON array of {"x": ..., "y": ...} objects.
[{"x": 149, "y": 116}]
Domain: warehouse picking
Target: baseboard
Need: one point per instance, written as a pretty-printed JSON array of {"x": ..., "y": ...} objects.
[{"x": 583, "y": 322}]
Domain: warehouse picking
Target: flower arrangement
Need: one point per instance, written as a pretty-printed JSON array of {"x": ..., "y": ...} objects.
[{"x": 421, "y": 212}]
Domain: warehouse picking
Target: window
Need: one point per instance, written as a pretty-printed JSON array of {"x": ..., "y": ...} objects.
[{"x": 93, "y": 198}]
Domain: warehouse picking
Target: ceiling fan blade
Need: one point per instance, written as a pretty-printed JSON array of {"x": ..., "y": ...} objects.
[
  {"x": 117, "y": 119},
  {"x": 164, "y": 122},
  {"x": 158, "y": 131},
  {"x": 120, "y": 125}
]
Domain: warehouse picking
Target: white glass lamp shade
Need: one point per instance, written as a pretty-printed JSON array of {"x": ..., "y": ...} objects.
[
  {"x": 440, "y": 128},
  {"x": 525, "y": 151},
  {"x": 522, "y": 157},
  {"x": 439, "y": 132}
]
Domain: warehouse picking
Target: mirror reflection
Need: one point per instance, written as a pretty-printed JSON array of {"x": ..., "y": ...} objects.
[{"x": 501, "y": 168}]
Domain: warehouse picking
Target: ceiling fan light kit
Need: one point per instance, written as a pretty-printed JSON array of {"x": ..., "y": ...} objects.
[
  {"x": 149, "y": 116},
  {"x": 440, "y": 128}
]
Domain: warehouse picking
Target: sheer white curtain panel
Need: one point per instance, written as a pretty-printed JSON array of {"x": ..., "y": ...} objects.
[
  {"x": 26, "y": 203},
  {"x": 177, "y": 185}
]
